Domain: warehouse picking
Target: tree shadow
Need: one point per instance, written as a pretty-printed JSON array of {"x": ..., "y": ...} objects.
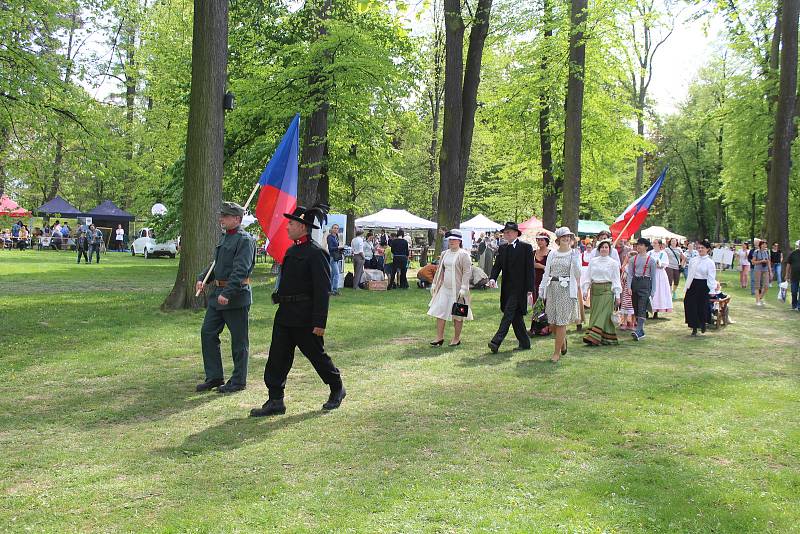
[{"x": 236, "y": 432}]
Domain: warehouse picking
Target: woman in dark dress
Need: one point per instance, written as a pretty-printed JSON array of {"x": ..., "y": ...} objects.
[
  {"x": 702, "y": 279},
  {"x": 539, "y": 262}
]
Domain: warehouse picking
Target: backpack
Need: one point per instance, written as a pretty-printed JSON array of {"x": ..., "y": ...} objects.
[{"x": 348, "y": 280}]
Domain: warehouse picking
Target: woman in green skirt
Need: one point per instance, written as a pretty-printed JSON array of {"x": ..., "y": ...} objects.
[{"x": 602, "y": 277}]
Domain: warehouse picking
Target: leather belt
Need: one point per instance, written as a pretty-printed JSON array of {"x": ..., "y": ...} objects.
[
  {"x": 223, "y": 283},
  {"x": 283, "y": 299}
]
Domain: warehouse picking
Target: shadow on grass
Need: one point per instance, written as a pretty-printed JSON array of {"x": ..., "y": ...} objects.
[
  {"x": 236, "y": 432},
  {"x": 487, "y": 359}
]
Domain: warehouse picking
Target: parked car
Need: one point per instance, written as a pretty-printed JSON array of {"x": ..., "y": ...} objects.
[{"x": 146, "y": 245}]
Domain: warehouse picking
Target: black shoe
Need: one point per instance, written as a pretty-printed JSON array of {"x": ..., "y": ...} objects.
[
  {"x": 437, "y": 343},
  {"x": 493, "y": 347},
  {"x": 334, "y": 400},
  {"x": 454, "y": 344},
  {"x": 694, "y": 331},
  {"x": 230, "y": 388},
  {"x": 209, "y": 384},
  {"x": 271, "y": 407},
  {"x": 520, "y": 349},
  {"x": 703, "y": 329},
  {"x": 564, "y": 348}
]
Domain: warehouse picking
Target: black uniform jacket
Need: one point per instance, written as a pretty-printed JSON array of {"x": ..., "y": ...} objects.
[
  {"x": 516, "y": 264},
  {"x": 234, "y": 256},
  {"x": 306, "y": 271}
]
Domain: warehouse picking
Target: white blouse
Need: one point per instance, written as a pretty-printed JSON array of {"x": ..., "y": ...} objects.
[
  {"x": 661, "y": 258},
  {"x": 603, "y": 269},
  {"x": 702, "y": 267}
]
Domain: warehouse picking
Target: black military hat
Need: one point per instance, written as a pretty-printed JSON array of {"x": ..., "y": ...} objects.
[
  {"x": 309, "y": 216},
  {"x": 231, "y": 208},
  {"x": 512, "y": 226}
]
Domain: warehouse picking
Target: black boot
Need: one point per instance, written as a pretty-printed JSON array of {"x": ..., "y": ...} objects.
[
  {"x": 335, "y": 399},
  {"x": 271, "y": 407},
  {"x": 209, "y": 384},
  {"x": 230, "y": 388}
]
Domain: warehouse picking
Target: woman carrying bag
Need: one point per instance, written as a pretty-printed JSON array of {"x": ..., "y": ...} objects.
[{"x": 451, "y": 286}]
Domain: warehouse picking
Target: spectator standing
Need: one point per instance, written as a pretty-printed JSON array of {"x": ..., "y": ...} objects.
[
  {"x": 744, "y": 264},
  {"x": 65, "y": 230},
  {"x": 95, "y": 238},
  {"x": 369, "y": 251},
  {"x": 690, "y": 253},
  {"x": 399, "y": 247},
  {"x": 335, "y": 252},
  {"x": 750, "y": 255},
  {"x": 357, "y": 244},
  {"x": 119, "y": 237},
  {"x": 761, "y": 269},
  {"x": 776, "y": 260},
  {"x": 793, "y": 273}
]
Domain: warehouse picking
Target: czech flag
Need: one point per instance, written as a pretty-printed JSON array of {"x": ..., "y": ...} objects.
[
  {"x": 278, "y": 193},
  {"x": 634, "y": 215}
]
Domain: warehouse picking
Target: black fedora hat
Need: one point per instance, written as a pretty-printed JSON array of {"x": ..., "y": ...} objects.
[
  {"x": 512, "y": 226},
  {"x": 309, "y": 216}
]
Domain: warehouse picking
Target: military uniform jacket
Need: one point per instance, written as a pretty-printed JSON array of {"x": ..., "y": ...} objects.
[
  {"x": 516, "y": 264},
  {"x": 234, "y": 256},
  {"x": 306, "y": 271}
]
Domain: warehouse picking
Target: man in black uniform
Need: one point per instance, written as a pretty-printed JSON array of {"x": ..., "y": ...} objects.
[
  {"x": 515, "y": 260},
  {"x": 229, "y": 302},
  {"x": 302, "y": 298}
]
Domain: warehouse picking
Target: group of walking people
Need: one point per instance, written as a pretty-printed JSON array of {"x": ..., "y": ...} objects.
[{"x": 624, "y": 286}]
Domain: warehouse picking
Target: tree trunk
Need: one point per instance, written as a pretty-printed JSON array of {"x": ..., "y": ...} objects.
[
  {"x": 460, "y": 105},
  {"x": 202, "y": 183},
  {"x": 753, "y": 218},
  {"x": 350, "y": 228},
  {"x": 551, "y": 189},
  {"x": 131, "y": 79},
  {"x": 316, "y": 131},
  {"x": 4, "y": 136},
  {"x": 435, "y": 93},
  {"x": 777, "y": 206},
  {"x": 574, "y": 116}
]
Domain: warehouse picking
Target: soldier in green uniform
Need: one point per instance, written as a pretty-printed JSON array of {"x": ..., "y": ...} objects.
[
  {"x": 228, "y": 302},
  {"x": 302, "y": 297}
]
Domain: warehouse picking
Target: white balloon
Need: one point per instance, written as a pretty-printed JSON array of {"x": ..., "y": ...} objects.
[{"x": 158, "y": 209}]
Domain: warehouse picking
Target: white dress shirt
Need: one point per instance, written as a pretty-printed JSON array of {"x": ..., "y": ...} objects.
[
  {"x": 603, "y": 269},
  {"x": 357, "y": 244},
  {"x": 702, "y": 267}
]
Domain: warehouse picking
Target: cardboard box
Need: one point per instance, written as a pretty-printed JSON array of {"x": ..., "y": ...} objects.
[{"x": 377, "y": 285}]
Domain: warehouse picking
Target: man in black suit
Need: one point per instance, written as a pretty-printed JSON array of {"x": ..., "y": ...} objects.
[{"x": 515, "y": 261}]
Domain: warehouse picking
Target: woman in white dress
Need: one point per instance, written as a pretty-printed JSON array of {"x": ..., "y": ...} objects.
[
  {"x": 559, "y": 288},
  {"x": 661, "y": 299},
  {"x": 451, "y": 284}
]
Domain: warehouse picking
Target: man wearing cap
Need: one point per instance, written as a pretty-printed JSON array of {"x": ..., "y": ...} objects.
[
  {"x": 228, "y": 302},
  {"x": 640, "y": 283},
  {"x": 302, "y": 298},
  {"x": 515, "y": 261}
]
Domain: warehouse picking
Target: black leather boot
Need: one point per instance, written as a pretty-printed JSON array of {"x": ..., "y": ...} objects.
[{"x": 271, "y": 407}]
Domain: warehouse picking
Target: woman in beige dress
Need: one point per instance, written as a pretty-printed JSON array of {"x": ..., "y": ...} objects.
[{"x": 450, "y": 284}]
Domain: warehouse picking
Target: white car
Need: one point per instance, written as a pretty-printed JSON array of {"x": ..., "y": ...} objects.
[{"x": 147, "y": 246}]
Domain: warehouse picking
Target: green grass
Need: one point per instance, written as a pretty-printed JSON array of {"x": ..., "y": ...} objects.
[{"x": 101, "y": 430}]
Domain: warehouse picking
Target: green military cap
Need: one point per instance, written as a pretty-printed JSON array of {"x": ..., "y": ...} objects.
[{"x": 231, "y": 208}]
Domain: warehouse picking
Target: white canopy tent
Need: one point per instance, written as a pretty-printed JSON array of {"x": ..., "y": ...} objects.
[
  {"x": 388, "y": 218},
  {"x": 481, "y": 223},
  {"x": 656, "y": 232}
]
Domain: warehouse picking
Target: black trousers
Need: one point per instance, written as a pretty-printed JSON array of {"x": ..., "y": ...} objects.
[
  {"x": 82, "y": 252},
  {"x": 236, "y": 320},
  {"x": 513, "y": 317},
  {"x": 399, "y": 267},
  {"x": 281, "y": 356},
  {"x": 640, "y": 295},
  {"x": 695, "y": 304}
]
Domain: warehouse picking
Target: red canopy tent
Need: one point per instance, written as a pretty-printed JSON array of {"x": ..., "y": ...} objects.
[
  {"x": 531, "y": 224},
  {"x": 10, "y": 208}
]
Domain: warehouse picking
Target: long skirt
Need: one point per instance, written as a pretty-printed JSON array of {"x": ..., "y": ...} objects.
[
  {"x": 661, "y": 299},
  {"x": 695, "y": 304},
  {"x": 561, "y": 309},
  {"x": 602, "y": 330}
]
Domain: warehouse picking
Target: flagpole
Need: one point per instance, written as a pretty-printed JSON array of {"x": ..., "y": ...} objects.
[
  {"x": 213, "y": 263},
  {"x": 619, "y": 236}
]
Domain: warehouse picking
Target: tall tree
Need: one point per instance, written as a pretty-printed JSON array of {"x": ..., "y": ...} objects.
[
  {"x": 434, "y": 92},
  {"x": 778, "y": 180},
  {"x": 551, "y": 188},
  {"x": 573, "y": 133},
  {"x": 460, "y": 105},
  {"x": 202, "y": 184}
]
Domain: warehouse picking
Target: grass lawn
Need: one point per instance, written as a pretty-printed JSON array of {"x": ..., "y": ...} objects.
[{"x": 101, "y": 430}]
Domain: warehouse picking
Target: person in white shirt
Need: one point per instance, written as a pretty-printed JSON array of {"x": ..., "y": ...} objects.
[
  {"x": 605, "y": 234},
  {"x": 369, "y": 251},
  {"x": 357, "y": 244},
  {"x": 661, "y": 298},
  {"x": 120, "y": 236},
  {"x": 701, "y": 280},
  {"x": 603, "y": 277}
]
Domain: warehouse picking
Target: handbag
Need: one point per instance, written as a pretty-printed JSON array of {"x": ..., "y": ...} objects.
[{"x": 460, "y": 309}]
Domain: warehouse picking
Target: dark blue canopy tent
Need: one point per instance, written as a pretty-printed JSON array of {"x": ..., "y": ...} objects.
[
  {"x": 108, "y": 215},
  {"x": 58, "y": 206}
]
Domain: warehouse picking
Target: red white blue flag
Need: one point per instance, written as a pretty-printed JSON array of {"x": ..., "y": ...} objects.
[
  {"x": 634, "y": 215},
  {"x": 278, "y": 193}
]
